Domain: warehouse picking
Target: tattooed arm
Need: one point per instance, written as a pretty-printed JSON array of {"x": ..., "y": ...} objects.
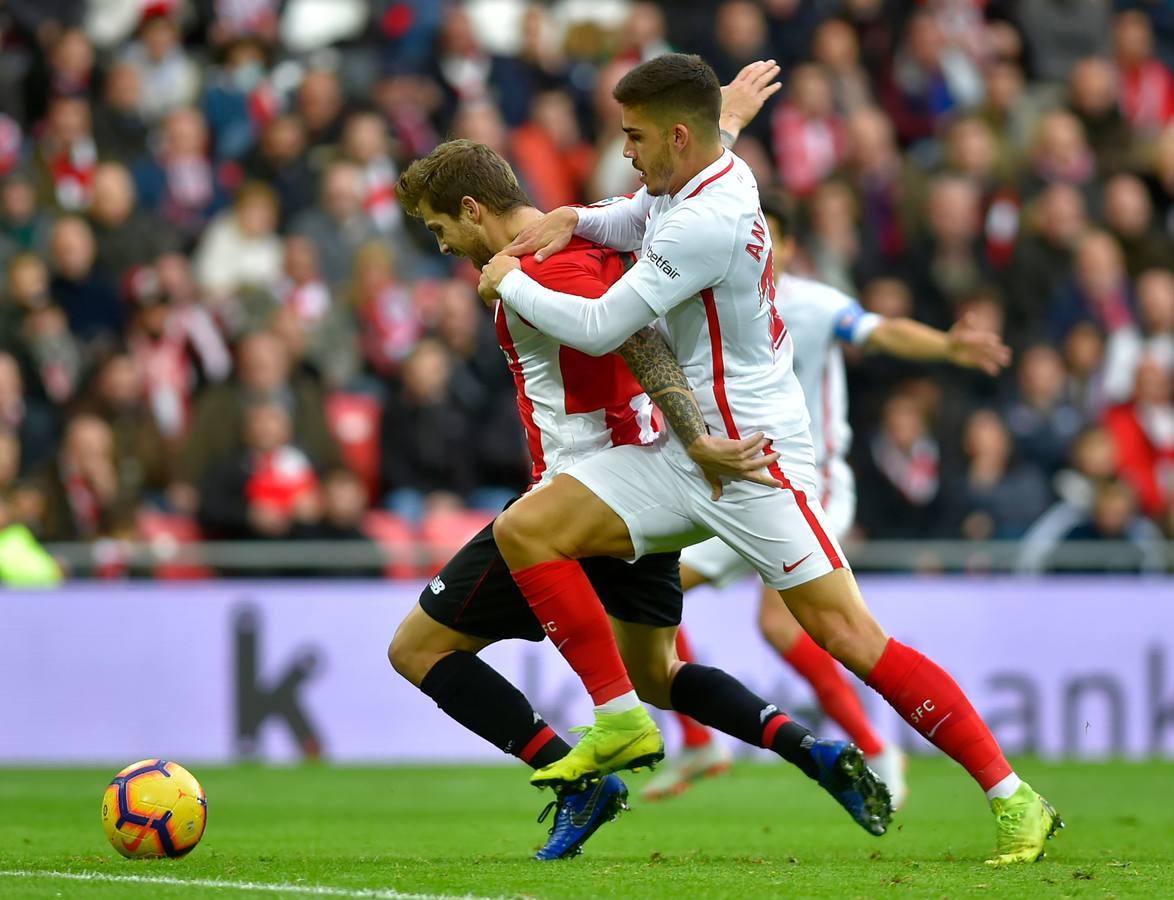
[{"x": 656, "y": 368}]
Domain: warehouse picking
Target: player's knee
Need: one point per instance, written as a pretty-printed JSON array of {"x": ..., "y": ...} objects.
[
  {"x": 852, "y": 642},
  {"x": 774, "y": 622},
  {"x": 409, "y": 657},
  {"x": 515, "y": 530}
]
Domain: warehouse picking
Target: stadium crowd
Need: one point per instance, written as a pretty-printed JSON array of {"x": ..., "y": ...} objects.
[{"x": 213, "y": 311}]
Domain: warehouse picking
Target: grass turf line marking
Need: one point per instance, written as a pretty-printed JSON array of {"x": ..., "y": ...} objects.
[{"x": 314, "y": 890}]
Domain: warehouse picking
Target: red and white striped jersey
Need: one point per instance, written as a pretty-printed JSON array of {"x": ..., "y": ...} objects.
[
  {"x": 572, "y": 405},
  {"x": 707, "y": 268}
]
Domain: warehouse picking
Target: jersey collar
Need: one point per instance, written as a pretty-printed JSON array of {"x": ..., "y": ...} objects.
[{"x": 712, "y": 172}]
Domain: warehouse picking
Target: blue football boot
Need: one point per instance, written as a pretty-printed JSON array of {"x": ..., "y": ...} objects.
[
  {"x": 845, "y": 775},
  {"x": 579, "y": 814}
]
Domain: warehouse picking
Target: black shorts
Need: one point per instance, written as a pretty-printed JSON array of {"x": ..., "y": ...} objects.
[{"x": 476, "y": 595}]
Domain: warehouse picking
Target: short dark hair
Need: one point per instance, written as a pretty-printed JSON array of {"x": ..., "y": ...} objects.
[
  {"x": 459, "y": 169},
  {"x": 774, "y": 207},
  {"x": 674, "y": 85}
]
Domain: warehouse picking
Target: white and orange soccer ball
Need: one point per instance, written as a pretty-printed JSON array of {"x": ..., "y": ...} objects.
[{"x": 154, "y": 808}]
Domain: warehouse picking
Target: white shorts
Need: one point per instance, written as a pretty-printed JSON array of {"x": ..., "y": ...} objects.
[
  {"x": 665, "y": 501},
  {"x": 721, "y": 565}
]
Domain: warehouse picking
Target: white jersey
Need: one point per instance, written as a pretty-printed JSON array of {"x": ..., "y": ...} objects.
[
  {"x": 819, "y": 318},
  {"x": 572, "y": 405},
  {"x": 707, "y": 268}
]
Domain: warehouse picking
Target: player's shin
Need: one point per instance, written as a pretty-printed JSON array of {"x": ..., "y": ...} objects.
[
  {"x": 570, "y": 612},
  {"x": 932, "y": 702},
  {"x": 473, "y": 693},
  {"x": 719, "y": 700},
  {"x": 835, "y": 694}
]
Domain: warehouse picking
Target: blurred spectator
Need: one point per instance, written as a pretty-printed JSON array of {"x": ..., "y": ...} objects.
[
  {"x": 928, "y": 78},
  {"x": 948, "y": 261},
  {"x": 262, "y": 376},
  {"x": 876, "y": 171},
  {"x": 740, "y": 37},
  {"x": 900, "y": 481},
  {"x": 1093, "y": 98},
  {"x": 808, "y": 136},
  {"x": 179, "y": 183},
  {"x": 1147, "y": 86},
  {"x": 84, "y": 291},
  {"x": 38, "y": 330},
  {"x": 30, "y": 421},
  {"x": 551, "y": 154},
  {"x": 1161, "y": 180},
  {"x": 327, "y": 324},
  {"x": 1129, "y": 216},
  {"x": 238, "y": 100},
  {"x": 1007, "y": 109},
  {"x": 117, "y": 396},
  {"x": 834, "y": 245},
  {"x": 23, "y": 226},
  {"x": 279, "y": 160},
  {"x": 484, "y": 388},
  {"x": 344, "y": 504},
  {"x": 338, "y": 225},
  {"x": 425, "y": 438},
  {"x": 1060, "y": 152},
  {"x": 1092, "y": 461},
  {"x": 1043, "y": 258},
  {"x": 170, "y": 80},
  {"x": 240, "y": 249},
  {"x": 1001, "y": 497},
  {"x": 1113, "y": 517},
  {"x": 81, "y": 494},
  {"x": 837, "y": 50},
  {"x": 265, "y": 487},
  {"x": 1084, "y": 355},
  {"x": 119, "y": 128},
  {"x": 1100, "y": 290},
  {"x": 389, "y": 320},
  {"x": 1143, "y": 433},
  {"x": 365, "y": 143},
  {"x": 66, "y": 155},
  {"x": 175, "y": 343},
  {"x": 1041, "y": 418},
  {"x": 1152, "y": 338},
  {"x": 126, "y": 237},
  {"x": 1058, "y": 35},
  {"x": 320, "y": 106}
]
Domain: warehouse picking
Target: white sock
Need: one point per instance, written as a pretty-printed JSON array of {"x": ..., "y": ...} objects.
[
  {"x": 1004, "y": 788},
  {"x": 622, "y": 703}
]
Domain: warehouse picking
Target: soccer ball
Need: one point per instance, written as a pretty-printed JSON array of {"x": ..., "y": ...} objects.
[{"x": 154, "y": 808}]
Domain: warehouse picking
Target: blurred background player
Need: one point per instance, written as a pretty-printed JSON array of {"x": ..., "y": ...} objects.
[{"x": 819, "y": 319}]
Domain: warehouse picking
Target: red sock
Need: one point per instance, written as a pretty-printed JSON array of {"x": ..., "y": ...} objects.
[
  {"x": 835, "y": 694},
  {"x": 933, "y": 703},
  {"x": 694, "y": 734},
  {"x": 569, "y": 609}
]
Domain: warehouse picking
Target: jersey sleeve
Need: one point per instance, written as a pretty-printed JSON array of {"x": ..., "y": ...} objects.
[
  {"x": 593, "y": 326},
  {"x": 851, "y": 323},
  {"x": 617, "y": 222},
  {"x": 691, "y": 252}
]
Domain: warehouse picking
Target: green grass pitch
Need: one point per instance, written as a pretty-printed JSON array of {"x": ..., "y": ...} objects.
[{"x": 761, "y": 831}]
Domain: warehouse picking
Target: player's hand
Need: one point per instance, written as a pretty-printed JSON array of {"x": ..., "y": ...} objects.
[
  {"x": 547, "y": 236},
  {"x": 742, "y": 460},
  {"x": 976, "y": 348},
  {"x": 492, "y": 274},
  {"x": 743, "y": 97}
]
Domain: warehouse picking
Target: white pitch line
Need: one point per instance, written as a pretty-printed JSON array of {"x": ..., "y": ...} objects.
[{"x": 315, "y": 890}]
